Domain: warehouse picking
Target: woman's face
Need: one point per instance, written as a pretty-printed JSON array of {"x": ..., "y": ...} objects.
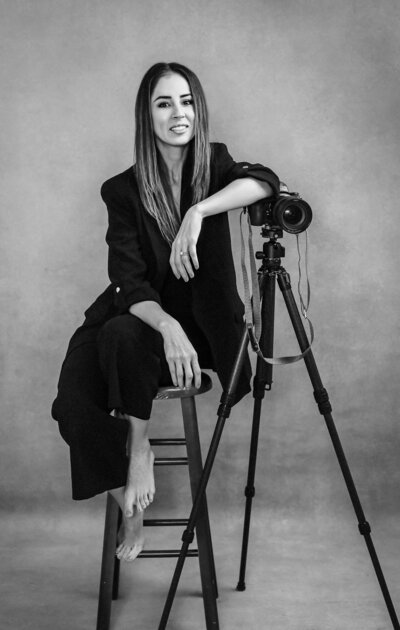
[{"x": 172, "y": 111}]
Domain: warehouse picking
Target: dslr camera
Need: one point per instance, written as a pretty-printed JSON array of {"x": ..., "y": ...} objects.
[{"x": 286, "y": 211}]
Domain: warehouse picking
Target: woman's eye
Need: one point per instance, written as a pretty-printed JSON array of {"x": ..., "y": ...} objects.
[
  {"x": 164, "y": 104},
  {"x": 188, "y": 102}
]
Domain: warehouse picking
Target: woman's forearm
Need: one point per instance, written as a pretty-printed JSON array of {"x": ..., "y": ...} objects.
[
  {"x": 152, "y": 314},
  {"x": 239, "y": 193}
]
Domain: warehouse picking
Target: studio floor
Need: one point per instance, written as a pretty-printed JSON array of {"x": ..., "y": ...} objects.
[{"x": 304, "y": 573}]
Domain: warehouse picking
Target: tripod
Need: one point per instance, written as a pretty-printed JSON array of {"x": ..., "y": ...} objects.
[{"x": 270, "y": 272}]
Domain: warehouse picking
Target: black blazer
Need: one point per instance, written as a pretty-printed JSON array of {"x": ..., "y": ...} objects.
[{"x": 139, "y": 258}]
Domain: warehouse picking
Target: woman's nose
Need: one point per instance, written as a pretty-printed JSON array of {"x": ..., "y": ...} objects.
[{"x": 178, "y": 112}]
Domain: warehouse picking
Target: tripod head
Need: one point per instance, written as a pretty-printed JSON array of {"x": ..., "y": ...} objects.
[{"x": 272, "y": 250}]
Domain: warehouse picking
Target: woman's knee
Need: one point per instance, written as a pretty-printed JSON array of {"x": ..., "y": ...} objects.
[
  {"x": 125, "y": 329},
  {"x": 126, "y": 336}
]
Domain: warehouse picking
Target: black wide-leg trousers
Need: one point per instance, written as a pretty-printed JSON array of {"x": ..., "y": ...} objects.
[{"x": 118, "y": 365}]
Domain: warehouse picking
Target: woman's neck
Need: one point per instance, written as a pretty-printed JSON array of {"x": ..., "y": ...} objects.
[{"x": 174, "y": 158}]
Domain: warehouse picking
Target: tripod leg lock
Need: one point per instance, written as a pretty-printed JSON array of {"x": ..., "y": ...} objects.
[
  {"x": 187, "y": 536},
  {"x": 364, "y": 528},
  {"x": 226, "y": 403},
  {"x": 249, "y": 492},
  {"x": 322, "y": 400}
]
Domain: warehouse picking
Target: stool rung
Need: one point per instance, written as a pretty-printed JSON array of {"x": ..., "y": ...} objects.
[
  {"x": 167, "y": 553},
  {"x": 156, "y": 522},
  {"x": 170, "y": 461},
  {"x": 168, "y": 441}
]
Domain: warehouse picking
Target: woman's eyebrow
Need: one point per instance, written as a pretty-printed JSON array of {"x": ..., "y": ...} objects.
[{"x": 169, "y": 97}]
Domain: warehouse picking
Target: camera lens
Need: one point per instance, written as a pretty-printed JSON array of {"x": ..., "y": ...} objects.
[{"x": 292, "y": 215}]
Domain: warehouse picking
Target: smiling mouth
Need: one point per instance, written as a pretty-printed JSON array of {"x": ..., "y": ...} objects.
[{"x": 179, "y": 127}]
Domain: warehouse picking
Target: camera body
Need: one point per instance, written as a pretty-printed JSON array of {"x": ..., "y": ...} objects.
[{"x": 286, "y": 211}]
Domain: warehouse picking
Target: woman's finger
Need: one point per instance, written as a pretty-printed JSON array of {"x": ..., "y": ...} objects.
[
  {"x": 186, "y": 263},
  {"x": 183, "y": 260},
  {"x": 177, "y": 252},
  {"x": 193, "y": 255},
  {"x": 181, "y": 268},
  {"x": 172, "y": 371},
  {"x": 179, "y": 374},
  {"x": 196, "y": 372},
  {"x": 188, "y": 374}
]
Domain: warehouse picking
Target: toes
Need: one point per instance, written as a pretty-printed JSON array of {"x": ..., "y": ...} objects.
[
  {"x": 120, "y": 552},
  {"x": 129, "y": 506},
  {"x": 140, "y": 504},
  {"x": 128, "y": 553},
  {"x": 125, "y": 553},
  {"x": 145, "y": 501},
  {"x": 133, "y": 554}
]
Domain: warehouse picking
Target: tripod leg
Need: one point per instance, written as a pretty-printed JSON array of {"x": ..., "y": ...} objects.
[
  {"x": 324, "y": 405},
  {"x": 262, "y": 381},
  {"x": 188, "y": 535}
]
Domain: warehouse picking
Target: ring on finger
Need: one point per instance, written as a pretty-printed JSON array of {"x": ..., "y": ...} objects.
[{"x": 183, "y": 254}]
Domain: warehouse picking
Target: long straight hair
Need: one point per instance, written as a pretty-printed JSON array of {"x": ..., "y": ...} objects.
[{"x": 151, "y": 172}]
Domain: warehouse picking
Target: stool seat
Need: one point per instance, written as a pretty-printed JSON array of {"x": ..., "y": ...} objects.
[
  {"x": 170, "y": 391},
  {"x": 109, "y": 578}
]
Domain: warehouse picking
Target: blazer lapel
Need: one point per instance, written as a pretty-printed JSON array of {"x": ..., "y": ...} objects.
[{"x": 159, "y": 247}]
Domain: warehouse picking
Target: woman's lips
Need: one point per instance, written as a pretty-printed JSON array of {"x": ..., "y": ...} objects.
[{"x": 179, "y": 128}]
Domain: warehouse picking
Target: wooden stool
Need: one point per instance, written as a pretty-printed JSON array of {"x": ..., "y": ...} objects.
[{"x": 110, "y": 565}]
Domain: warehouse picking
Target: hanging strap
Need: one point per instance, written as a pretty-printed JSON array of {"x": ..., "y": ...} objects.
[{"x": 253, "y": 306}]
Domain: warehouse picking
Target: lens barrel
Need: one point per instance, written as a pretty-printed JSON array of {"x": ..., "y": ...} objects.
[{"x": 292, "y": 214}]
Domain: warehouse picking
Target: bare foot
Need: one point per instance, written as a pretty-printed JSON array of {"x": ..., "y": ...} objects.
[
  {"x": 140, "y": 488},
  {"x": 130, "y": 537}
]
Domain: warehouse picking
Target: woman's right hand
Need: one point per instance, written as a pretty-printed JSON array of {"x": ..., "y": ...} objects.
[{"x": 181, "y": 356}]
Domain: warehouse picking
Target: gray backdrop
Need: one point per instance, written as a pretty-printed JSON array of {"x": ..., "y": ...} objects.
[{"x": 309, "y": 88}]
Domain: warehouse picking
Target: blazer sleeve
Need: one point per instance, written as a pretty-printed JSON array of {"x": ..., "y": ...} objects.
[
  {"x": 127, "y": 268},
  {"x": 229, "y": 170}
]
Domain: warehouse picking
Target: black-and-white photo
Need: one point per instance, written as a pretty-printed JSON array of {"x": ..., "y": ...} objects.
[{"x": 200, "y": 296}]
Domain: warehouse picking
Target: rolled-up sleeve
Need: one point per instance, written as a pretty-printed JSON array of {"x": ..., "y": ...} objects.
[
  {"x": 229, "y": 170},
  {"x": 126, "y": 266}
]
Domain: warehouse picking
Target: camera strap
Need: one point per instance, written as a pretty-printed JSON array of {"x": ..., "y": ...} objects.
[{"x": 253, "y": 305}]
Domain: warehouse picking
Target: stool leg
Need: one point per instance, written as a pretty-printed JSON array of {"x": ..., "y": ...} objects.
[
  {"x": 203, "y": 533},
  {"x": 108, "y": 571},
  {"x": 117, "y": 564}
]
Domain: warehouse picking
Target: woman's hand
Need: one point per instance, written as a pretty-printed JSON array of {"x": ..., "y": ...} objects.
[
  {"x": 181, "y": 356},
  {"x": 183, "y": 251}
]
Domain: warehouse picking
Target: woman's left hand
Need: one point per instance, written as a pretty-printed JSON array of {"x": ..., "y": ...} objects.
[{"x": 183, "y": 259}]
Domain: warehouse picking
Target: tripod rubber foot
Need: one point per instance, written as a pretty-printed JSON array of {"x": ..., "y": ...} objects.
[{"x": 241, "y": 586}]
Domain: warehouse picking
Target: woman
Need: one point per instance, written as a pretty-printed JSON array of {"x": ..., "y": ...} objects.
[{"x": 172, "y": 306}]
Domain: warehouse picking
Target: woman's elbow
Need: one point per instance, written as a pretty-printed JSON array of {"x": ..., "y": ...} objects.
[{"x": 261, "y": 189}]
